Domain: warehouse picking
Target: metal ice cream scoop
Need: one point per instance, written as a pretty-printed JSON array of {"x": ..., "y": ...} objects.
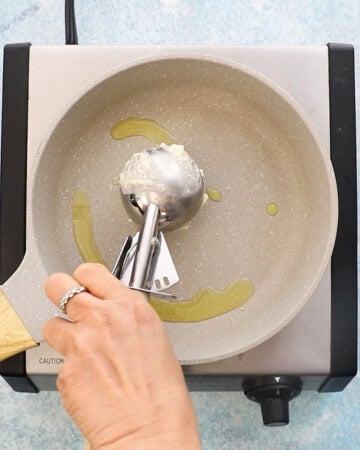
[{"x": 161, "y": 188}]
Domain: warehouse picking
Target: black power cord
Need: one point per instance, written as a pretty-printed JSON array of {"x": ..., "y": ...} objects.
[{"x": 70, "y": 23}]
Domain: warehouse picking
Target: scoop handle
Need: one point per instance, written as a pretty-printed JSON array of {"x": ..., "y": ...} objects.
[{"x": 145, "y": 248}]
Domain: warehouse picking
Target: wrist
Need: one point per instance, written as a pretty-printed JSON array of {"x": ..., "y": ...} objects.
[
  {"x": 169, "y": 433},
  {"x": 168, "y": 441}
]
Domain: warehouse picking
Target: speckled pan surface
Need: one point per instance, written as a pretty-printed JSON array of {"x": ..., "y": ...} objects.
[{"x": 254, "y": 146}]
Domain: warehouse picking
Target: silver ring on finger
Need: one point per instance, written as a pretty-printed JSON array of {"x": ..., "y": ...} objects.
[{"x": 69, "y": 295}]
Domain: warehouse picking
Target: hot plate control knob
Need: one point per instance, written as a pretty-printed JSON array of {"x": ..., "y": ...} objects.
[{"x": 274, "y": 394}]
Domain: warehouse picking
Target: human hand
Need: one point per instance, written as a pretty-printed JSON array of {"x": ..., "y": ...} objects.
[{"x": 120, "y": 382}]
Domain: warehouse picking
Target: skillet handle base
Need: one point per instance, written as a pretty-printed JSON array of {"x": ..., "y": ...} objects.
[{"x": 14, "y": 337}]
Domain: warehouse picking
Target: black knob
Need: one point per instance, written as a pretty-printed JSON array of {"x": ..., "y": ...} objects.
[
  {"x": 273, "y": 393},
  {"x": 275, "y": 411}
]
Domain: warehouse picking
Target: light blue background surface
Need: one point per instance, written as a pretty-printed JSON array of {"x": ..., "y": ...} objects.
[{"x": 227, "y": 420}]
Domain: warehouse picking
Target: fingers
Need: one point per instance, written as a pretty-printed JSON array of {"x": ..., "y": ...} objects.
[
  {"x": 56, "y": 327},
  {"x": 100, "y": 281},
  {"x": 57, "y": 285}
]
